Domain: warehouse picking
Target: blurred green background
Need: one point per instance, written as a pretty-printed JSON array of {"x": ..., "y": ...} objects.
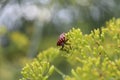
[{"x": 28, "y": 27}]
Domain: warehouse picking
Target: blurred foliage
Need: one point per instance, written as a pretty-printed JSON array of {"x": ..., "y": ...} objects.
[
  {"x": 91, "y": 56},
  {"x": 19, "y": 39},
  {"x": 3, "y": 30}
]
